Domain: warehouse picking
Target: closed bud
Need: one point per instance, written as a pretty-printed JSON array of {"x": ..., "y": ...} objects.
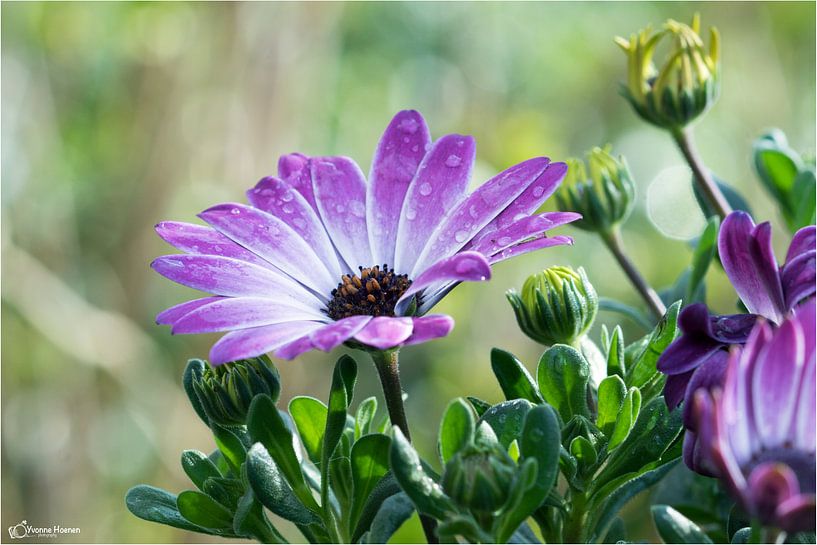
[
  {"x": 556, "y": 306},
  {"x": 603, "y": 191},
  {"x": 479, "y": 477},
  {"x": 685, "y": 86},
  {"x": 226, "y": 391}
]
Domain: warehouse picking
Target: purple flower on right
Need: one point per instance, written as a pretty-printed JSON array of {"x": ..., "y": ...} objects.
[
  {"x": 758, "y": 432},
  {"x": 697, "y": 359}
]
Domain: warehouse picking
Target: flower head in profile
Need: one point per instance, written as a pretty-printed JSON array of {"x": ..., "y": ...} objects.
[
  {"x": 322, "y": 255},
  {"x": 758, "y": 431},
  {"x": 697, "y": 359}
]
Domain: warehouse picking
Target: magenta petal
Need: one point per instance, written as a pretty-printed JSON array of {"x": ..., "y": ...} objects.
[
  {"x": 231, "y": 277},
  {"x": 804, "y": 240},
  {"x": 797, "y": 514},
  {"x": 385, "y": 332},
  {"x": 340, "y": 190},
  {"x": 521, "y": 230},
  {"x": 280, "y": 199},
  {"x": 430, "y": 327},
  {"x": 708, "y": 376},
  {"x": 675, "y": 388},
  {"x": 337, "y": 333},
  {"x": 474, "y": 212},
  {"x": 770, "y": 484},
  {"x": 294, "y": 169},
  {"x": 170, "y": 315},
  {"x": 231, "y": 313},
  {"x": 530, "y": 200},
  {"x": 295, "y": 348},
  {"x": 272, "y": 239},
  {"x": 396, "y": 160},
  {"x": 203, "y": 240},
  {"x": 748, "y": 260},
  {"x": 248, "y": 343},
  {"x": 530, "y": 246},
  {"x": 462, "y": 267},
  {"x": 439, "y": 185},
  {"x": 798, "y": 277}
]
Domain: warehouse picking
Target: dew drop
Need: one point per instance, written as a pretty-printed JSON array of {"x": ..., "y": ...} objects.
[
  {"x": 504, "y": 241},
  {"x": 409, "y": 125},
  {"x": 235, "y": 211},
  {"x": 460, "y": 236},
  {"x": 453, "y": 161},
  {"x": 472, "y": 211},
  {"x": 300, "y": 223},
  {"x": 415, "y": 147},
  {"x": 538, "y": 190},
  {"x": 406, "y": 139},
  {"x": 425, "y": 189},
  {"x": 340, "y": 208},
  {"x": 287, "y": 196},
  {"x": 357, "y": 208},
  {"x": 411, "y": 213},
  {"x": 288, "y": 209}
]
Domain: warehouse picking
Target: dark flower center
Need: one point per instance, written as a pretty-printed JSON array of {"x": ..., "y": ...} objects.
[{"x": 372, "y": 292}]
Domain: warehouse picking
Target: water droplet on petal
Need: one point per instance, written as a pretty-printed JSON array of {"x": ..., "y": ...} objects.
[
  {"x": 425, "y": 189},
  {"x": 415, "y": 147},
  {"x": 340, "y": 208},
  {"x": 460, "y": 236},
  {"x": 472, "y": 211},
  {"x": 538, "y": 190},
  {"x": 300, "y": 223},
  {"x": 409, "y": 125},
  {"x": 287, "y": 196},
  {"x": 235, "y": 211},
  {"x": 504, "y": 241},
  {"x": 453, "y": 161},
  {"x": 411, "y": 213},
  {"x": 288, "y": 209},
  {"x": 357, "y": 208}
]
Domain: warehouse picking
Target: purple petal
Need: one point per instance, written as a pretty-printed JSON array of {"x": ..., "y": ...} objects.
[
  {"x": 280, "y": 199},
  {"x": 521, "y": 230},
  {"x": 231, "y": 313},
  {"x": 274, "y": 240},
  {"x": 170, "y": 315},
  {"x": 694, "y": 346},
  {"x": 776, "y": 382},
  {"x": 708, "y": 376},
  {"x": 384, "y": 332},
  {"x": 340, "y": 190},
  {"x": 396, "y": 160},
  {"x": 231, "y": 277},
  {"x": 796, "y": 514},
  {"x": 248, "y": 343},
  {"x": 798, "y": 277},
  {"x": 332, "y": 335},
  {"x": 804, "y": 426},
  {"x": 464, "y": 266},
  {"x": 430, "y": 327},
  {"x": 530, "y": 200},
  {"x": 203, "y": 240},
  {"x": 439, "y": 184},
  {"x": 804, "y": 240},
  {"x": 295, "y": 348},
  {"x": 770, "y": 484},
  {"x": 473, "y": 213},
  {"x": 732, "y": 328},
  {"x": 294, "y": 168},
  {"x": 695, "y": 455},
  {"x": 748, "y": 259},
  {"x": 530, "y": 246},
  {"x": 675, "y": 388}
]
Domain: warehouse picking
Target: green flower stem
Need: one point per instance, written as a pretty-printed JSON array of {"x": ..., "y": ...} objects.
[
  {"x": 613, "y": 241},
  {"x": 710, "y": 190},
  {"x": 388, "y": 370},
  {"x": 574, "y": 528},
  {"x": 756, "y": 535}
]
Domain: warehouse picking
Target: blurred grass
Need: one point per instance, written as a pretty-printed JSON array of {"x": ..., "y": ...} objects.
[{"x": 119, "y": 115}]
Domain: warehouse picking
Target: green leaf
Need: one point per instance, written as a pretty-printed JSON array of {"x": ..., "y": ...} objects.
[
  {"x": 249, "y": 521},
  {"x": 626, "y": 418},
  {"x": 803, "y": 195},
  {"x": 456, "y": 428},
  {"x": 479, "y": 405},
  {"x": 340, "y": 395},
  {"x": 563, "y": 374},
  {"x": 585, "y": 453},
  {"x": 369, "y": 463},
  {"x": 744, "y": 535},
  {"x": 225, "y": 491},
  {"x": 309, "y": 416},
  {"x": 705, "y": 251},
  {"x": 396, "y": 510},
  {"x": 365, "y": 416},
  {"x": 198, "y": 467},
  {"x": 673, "y": 527},
  {"x": 272, "y": 490},
  {"x": 156, "y": 505},
  {"x": 616, "y": 364},
  {"x": 513, "y": 377},
  {"x": 266, "y": 426},
  {"x": 643, "y": 369},
  {"x": 193, "y": 371},
  {"x": 230, "y": 446},
  {"x": 203, "y": 511},
  {"x": 507, "y": 419},
  {"x": 426, "y": 494},
  {"x": 385, "y": 488},
  {"x": 612, "y": 392}
]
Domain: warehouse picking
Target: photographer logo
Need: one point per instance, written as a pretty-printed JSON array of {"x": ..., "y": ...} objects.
[{"x": 24, "y": 529}]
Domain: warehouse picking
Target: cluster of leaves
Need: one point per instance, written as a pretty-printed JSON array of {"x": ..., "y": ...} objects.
[{"x": 316, "y": 466}]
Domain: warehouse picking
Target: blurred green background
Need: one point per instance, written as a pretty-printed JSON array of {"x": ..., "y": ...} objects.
[{"x": 116, "y": 116}]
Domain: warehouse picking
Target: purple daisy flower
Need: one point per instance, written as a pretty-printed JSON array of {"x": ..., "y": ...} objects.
[
  {"x": 697, "y": 359},
  {"x": 321, "y": 256},
  {"x": 758, "y": 432}
]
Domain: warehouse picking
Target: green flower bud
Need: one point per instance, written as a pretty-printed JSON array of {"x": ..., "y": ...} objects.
[
  {"x": 225, "y": 391},
  {"x": 557, "y": 306},
  {"x": 604, "y": 198},
  {"x": 685, "y": 86},
  {"x": 479, "y": 477}
]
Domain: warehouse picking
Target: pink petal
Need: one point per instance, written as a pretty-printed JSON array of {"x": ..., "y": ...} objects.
[
  {"x": 248, "y": 343},
  {"x": 464, "y": 266},
  {"x": 231, "y": 313},
  {"x": 427, "y": 328},
  {"x": 332, "y": 335},
  {"x": 384, "y": 332},
  {"x": 170, "y": 315}
]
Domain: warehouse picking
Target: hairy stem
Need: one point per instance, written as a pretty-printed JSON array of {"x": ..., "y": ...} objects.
[
  {"x": 388, "y": 370},
  {"x": 574, "y": 529},
  {"x": 616, "y": 246},
  {"x": 708, "y": 187}
]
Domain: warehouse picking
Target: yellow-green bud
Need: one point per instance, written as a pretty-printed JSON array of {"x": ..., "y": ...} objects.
[
  {"x": 226, "y": 391},
  {"x": 557, "y": 306},
  {"x": 603, "y": 192},
  {"x": 686, "y": 84},
  {"x": 479, "y": 477}
]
